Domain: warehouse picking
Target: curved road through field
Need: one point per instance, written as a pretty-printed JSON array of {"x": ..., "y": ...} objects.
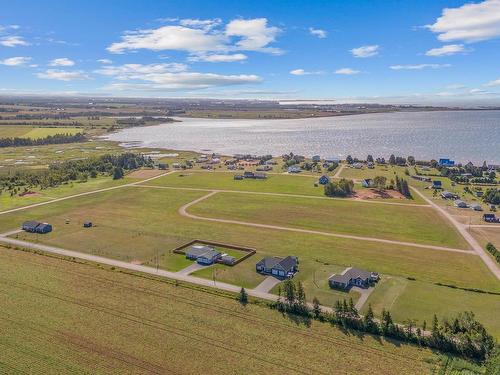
[
  {"x": 183, "y": 212},
  {"x": 490, "y": 263}
]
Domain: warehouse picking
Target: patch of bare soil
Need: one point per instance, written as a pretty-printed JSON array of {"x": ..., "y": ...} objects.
[
  {"x": 29, "y": 194},
  {"x": 145, "y": 173},
  {"x": 376, "y": 194},
  {"x": 136, "y": 261}
]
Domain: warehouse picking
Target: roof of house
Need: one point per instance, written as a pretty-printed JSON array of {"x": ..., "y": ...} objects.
[
  {"x": 30, "y": 224},
  {"x": 276, "y": 262},
  {"x": 199, "y": 250},
  {"x": 210, "y": 254},
  {"x": 350, "y": 273}
]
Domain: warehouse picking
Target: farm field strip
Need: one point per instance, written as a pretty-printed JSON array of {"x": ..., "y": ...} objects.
[
  {"x": 141, "y": 184},
  {"x": 156, "y": 315},
  {"x": 55, "y": 200},
  {"x": 183, "y": 212}
]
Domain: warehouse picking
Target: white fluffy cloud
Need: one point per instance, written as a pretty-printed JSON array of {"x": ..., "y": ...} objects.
[
  {"x": 302, "y": 72},
  {"x": 365, "y": 51},
  {"x": 493, "y": 83},
  {"x": 447, "y": 50},
  {"x": 215, "y": 58},
  {"x": 173, "y": 76},
  {"x": 13, "y": 41},
  {"x": 472, "y": 22},
  {"x": 15, "y": 61},
  {"x": 169, "y": 38},
  {"x": 254, "y": 34},
  {"x": 63, "y": 75},
  {"x": 347, "y": 71},
  {"x": 62, "y": 61},
  {"x": 105, "y": 61},
  {"x": 317, "y": 33},
  {"x": 203, "y": 37},
  {"x": 419, "y": 66}
]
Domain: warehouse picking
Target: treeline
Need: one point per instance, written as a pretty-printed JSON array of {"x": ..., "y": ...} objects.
[
  {"x": 341, "y": 188},
  {"x": 49, "y": 140},
  {"x": 463, "y": 335},
  {"x": 493, "y": 251},
  {"x": 402, "y": 187},
  {"x": 74, "y": 170},
  {"x": 492, "y": 196},
  {"x": 133, "y": 121}
]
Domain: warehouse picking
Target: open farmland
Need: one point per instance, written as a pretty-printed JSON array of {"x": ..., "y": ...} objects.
[
  {"x": 394, "y": 222},
  {"x": 55, "y": 310},
  {"x": 142, "y": 225}
]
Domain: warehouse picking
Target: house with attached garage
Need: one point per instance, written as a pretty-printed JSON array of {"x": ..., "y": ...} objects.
[
  {"x": 36, "y": 227},
  {"x": 353, "y": 277},
  {"x": 278, "y": 267},
  {"x": 203, "y": 254}
]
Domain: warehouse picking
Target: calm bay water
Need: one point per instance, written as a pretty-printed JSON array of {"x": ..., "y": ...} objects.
[{"x": 460, "y": 135}]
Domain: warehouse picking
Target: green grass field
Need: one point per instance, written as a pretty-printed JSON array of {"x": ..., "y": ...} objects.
[
  {"x": 42, "y": 156},
  {"x": 25, "y": 131},
  {"x": 38, "y": 195},
  {"x": 403, "y": 223},
  {"x": 63, "y": 317},
  {"x": 141, "y": 225},
  {"x": 416, "y": 300},
  {"x": 275, "y": 183},
  {"x": 387, "y": 171}
]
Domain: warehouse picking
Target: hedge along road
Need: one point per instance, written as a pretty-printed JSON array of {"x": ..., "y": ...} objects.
[
  {"x": 490, "y": 263},
  {"x": 183, "y": 212}
]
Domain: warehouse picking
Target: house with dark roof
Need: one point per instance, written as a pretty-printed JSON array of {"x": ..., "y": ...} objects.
[
  {"x": 437, "y": 184},
  {"x": 490, "y": 218},
  {"x": 36, "y": 227},
  {"x": 278, "y": 267},
  {"x": 448, "y": 195},
  {"x": 203, "y": 254},
  {"x": 353, "y": 277},
  {"x": 460, "y": 204}
]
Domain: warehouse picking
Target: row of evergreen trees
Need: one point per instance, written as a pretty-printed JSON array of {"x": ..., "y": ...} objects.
[
  {"x": 402, "y": 187},
  {"x": 463, "y": 335},
  {"x": 74, "y": 170},
  {"x": 493, "y": 251},
  {"x": 49, "y": 140}
]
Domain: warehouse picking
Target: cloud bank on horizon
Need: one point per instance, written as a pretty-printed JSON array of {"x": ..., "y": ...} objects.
[{"x": 339, "y": 51}]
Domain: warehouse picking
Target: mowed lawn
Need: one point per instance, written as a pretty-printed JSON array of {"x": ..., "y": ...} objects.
[
  {"x": 408, "y": 299},
  {"x": 275, "y": 183},
  {"x": 63, "y": 317},
  {"x": 394, "y": 222},
  {"x": 142, "y": 225}
]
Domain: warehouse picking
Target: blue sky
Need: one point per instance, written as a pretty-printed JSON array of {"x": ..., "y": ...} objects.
[{"x": 379, "y": 51}]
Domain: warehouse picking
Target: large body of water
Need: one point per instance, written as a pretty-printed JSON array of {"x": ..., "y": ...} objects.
[{"x": 460, "y": 135}]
